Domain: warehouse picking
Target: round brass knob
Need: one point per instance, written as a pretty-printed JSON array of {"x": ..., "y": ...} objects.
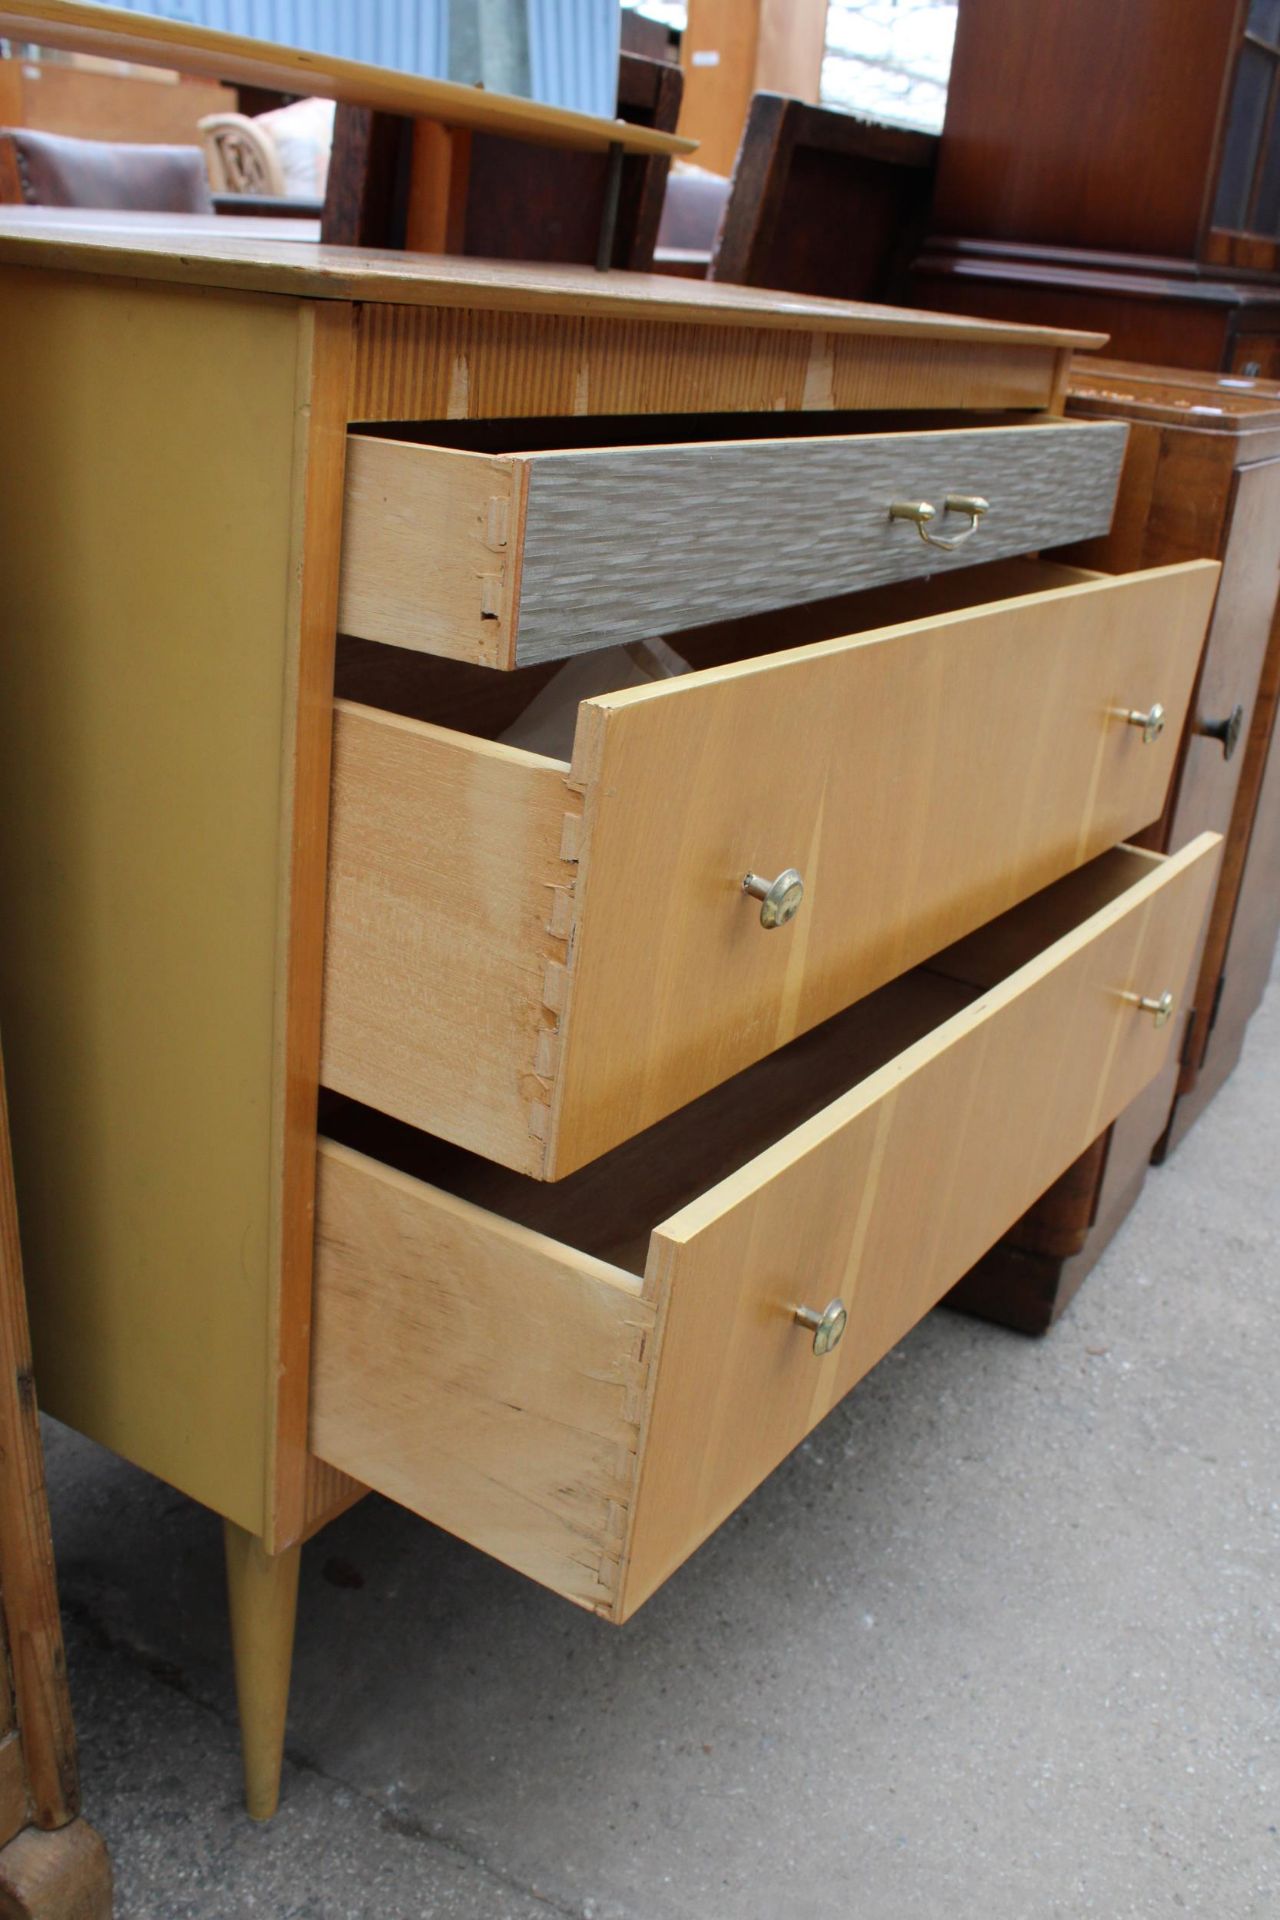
[
  {"x": 826, "y": 1327},
  {"x": 1228, "y": 730},
  {"x": 1159, "y": 1008},
  {"x": 1151, "y": 722},
  {"x": 779, "y": 899}
]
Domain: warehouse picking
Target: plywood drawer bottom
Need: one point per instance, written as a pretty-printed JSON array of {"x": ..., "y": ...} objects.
[{"x": 585, "y": 1379}]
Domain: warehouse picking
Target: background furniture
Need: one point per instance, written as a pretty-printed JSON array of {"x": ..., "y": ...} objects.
[
  {"x": 1162, "y": 311},
  {"x": 732, "y": 49},
  {"x": 508, "y": 1316},
  {"x": 240, "y": 156},
  {"x": 489, "y": 195},
  {"x": 63, "y": 97},
  {"x": 823, "y": 202},
  {"x": 402, "y": 164},
  {"x": 1118, "y": 168},
  {"x": 51, "y": 170},
  {"x": 1121, "y": 129},
  {"x": 819, "y": 202},
  {"x": 1201, "y": 476},
  {"x": 53, "y": 1866}
]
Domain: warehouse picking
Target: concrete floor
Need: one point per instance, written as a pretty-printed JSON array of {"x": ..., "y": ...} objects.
[{"x": 998, "y": 1643}]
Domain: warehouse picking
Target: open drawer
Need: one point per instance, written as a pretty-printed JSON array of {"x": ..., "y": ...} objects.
[
  {"x": 507, "y": 559},
  {"x": 537, "y": 960},
  {"x": 585, "y": 1379}
]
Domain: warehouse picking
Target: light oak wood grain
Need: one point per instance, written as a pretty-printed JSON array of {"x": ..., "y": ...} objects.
[
  {"x": 922, "y": 781},
  {"x": 445, "y": 861},
  {"x": 573, "y": 358},
  {"x": 539, "y": 990},
  {"x": 427, "y": 550},
  {"x": 519, "y": 558},
  {"x": 496, "y": 286},
  {"x": 475, "y": 1363},
  {"x": 486, "y": 1377},
  {"x": 113, "y": 33},
  {"x": 885, "y": 1200}
]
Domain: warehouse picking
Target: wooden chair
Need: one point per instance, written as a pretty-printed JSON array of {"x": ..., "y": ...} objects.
[
  {"x": 437, "y": 190},
  {"x": 821, "y": 202},
  {"x": 53, "y": 170}
]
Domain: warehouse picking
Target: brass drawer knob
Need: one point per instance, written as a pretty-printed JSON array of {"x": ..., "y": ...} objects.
[
  {"x": 1228, "y": 730},
  {"x": 779, "y": 899},
  {"x": 826, "y": 1327},
  {"x": 1151, "y": 722},
  {"x": 921, "y": 512},
  {"x": 1159, "y": 1009}
]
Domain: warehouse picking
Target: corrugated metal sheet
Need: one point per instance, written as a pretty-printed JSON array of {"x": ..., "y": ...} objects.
[
  {"x": 412, "y": 35},
  {"x": 573, "y": 53},
  {"x": 572, "y": 44}
]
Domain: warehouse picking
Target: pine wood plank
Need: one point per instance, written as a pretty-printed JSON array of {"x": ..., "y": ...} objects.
[{"x": 519, "y": 558}]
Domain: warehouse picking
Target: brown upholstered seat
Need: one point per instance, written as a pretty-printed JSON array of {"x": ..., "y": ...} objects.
[{"x": 52, "y": 170}]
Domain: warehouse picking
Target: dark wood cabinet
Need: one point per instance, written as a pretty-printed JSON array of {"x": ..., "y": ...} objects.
[
  {"x": 1151, "y": 127},
  {"x": 1201, "y": 480},
  {"x": 1115, "y": 167}
]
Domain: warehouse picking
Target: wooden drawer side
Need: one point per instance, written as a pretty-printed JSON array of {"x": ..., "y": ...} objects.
[
  {"x": 486, "y": 1377},
  {"x": 447, "y": 922},
  {"x": 427, "y": 550}
]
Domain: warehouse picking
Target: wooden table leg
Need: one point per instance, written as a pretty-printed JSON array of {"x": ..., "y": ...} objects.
[{"x": 263, "y": 1593}]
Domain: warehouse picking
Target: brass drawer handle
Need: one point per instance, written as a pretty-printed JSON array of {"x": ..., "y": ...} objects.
[
  {"x": 1159, "y": 1008},
  {"x": 780, "y": 899},
  {"x": 1151, "y": 722},
  {"x": 921, "y": 512},
  {"x": 1228, "y": 730},
  {"x": 826, "y": 1327}
]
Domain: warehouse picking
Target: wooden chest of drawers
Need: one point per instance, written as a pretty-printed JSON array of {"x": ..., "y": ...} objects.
[{"x": 677, "y": 1054}]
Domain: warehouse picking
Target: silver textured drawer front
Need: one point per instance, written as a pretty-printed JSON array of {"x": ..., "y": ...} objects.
[{"x": 627, "y": 542}]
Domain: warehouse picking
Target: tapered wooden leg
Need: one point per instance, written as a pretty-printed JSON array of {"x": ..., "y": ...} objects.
[{"x": 263, "y": 1591}]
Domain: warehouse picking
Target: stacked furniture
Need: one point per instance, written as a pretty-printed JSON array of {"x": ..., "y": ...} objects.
[
  {"x": 1201, "y": 477},
  {"x": 705, "y": 905},
  {"x": 1116, "y": 167}
]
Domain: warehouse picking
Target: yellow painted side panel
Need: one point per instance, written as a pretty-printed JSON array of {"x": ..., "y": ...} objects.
[{"x": 146, "y": 450}]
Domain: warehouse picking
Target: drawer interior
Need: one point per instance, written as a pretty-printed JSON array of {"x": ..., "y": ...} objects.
[
  {"x": 474, "y": 700},
  {"x": 609, "y": 1208}
]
